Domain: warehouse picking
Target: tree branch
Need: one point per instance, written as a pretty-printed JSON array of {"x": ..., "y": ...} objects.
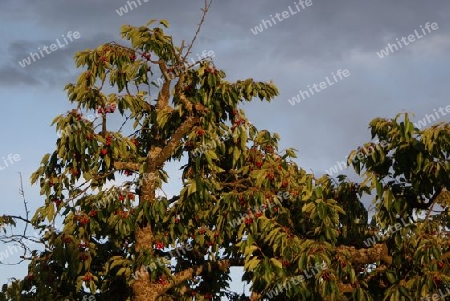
[
  {"x": 164, "y": 93},
  {"x": 126, "y": 166},
  {"x": 167, "y": 151},
  {"x": 205, "y": 10},
  {"x": 378, "y": 252}
]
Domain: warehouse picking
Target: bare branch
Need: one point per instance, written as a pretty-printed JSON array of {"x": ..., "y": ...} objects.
[
  {"x": 378, "y": 252},
  {"x": 205, "y": 10},
  {"x": 126, "y": 166},
  {"x": 167, "y": 151}
]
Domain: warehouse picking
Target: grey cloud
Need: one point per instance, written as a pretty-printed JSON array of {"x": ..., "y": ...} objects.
[{"x": 54, "y": 68}]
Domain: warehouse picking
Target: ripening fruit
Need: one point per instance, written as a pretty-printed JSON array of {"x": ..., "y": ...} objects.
[
  {"x": 162, "y": 280},
  {"x": 84, "y": 221},
  {"x": 200, "y": 132},
  {"x": 437, "y": 280},
  {"x": 87, "y": 277},
  {"x": 159, "y": 245},
  {"x": 104, "y": 151}
]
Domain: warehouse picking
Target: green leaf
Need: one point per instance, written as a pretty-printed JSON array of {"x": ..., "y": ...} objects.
[
  {"x": 163, "y": 22},
  {"x": 276, "y": 263}
]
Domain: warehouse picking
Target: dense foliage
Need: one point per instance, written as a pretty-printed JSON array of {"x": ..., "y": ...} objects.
[{"x": 243, "y": 202}]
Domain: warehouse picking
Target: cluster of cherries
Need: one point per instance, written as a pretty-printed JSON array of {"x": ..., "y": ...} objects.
[
  {"x": 82, "y": 219},
  {"x": 159, "y": 245},
  {"x": 110, "y": 108}
]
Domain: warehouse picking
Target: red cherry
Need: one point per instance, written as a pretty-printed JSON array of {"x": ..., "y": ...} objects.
[
  {"x": 93, "y": 213},
  {"x": 437, "y": 280},
  {"x": 162, "y": 280},
  {"x": 259, "y": 163},
  {"x": 87, "y": 278},
  {"x": 84, "y": 221},
  {"x": 200, "y": 132},
  {"x": 132, "y": 57},
  {"x": 104, "y": 151},
  {"x": 159, "y": 245},
  {"x": 248, "y": 221},
  {"x": 326, "y": 276},
  {"x": 124, "y": 214},
  {"x": 440, "y": 264}
]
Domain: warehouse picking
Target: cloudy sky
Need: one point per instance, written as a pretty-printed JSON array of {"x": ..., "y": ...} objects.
[{"x": 299, "y": 47}]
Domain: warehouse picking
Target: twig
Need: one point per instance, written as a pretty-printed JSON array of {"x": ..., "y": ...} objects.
[
  {"x": 22, "y": 193},
  {"x": 205, "y": 10}
]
